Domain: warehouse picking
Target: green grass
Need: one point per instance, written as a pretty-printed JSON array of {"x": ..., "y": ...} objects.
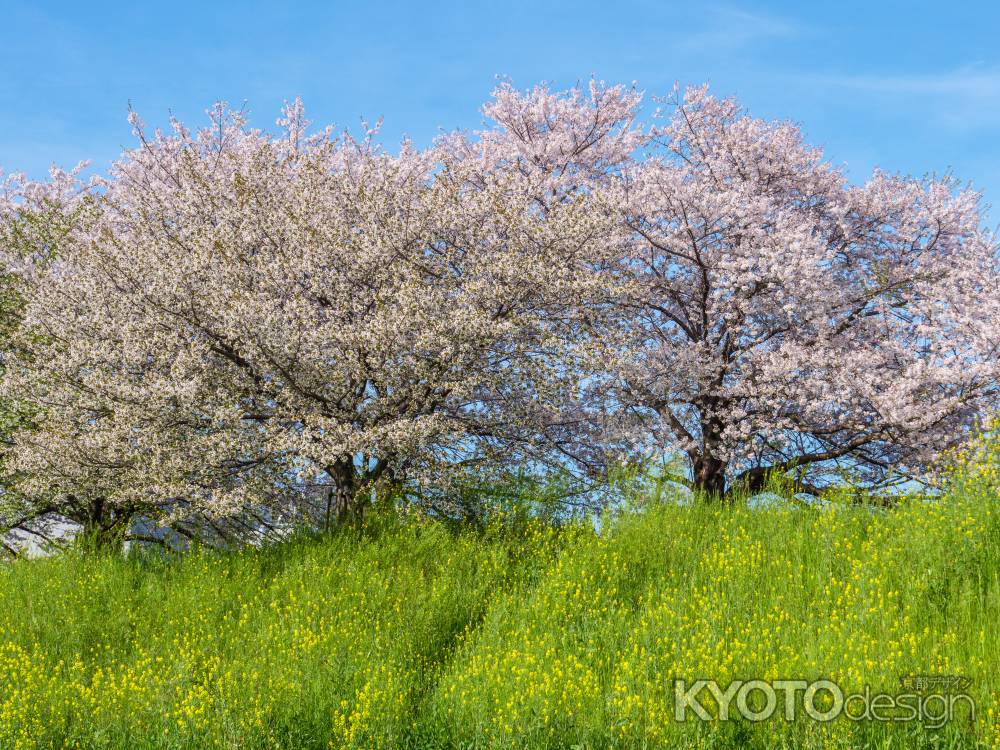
[{"x": 410, "y": 634}]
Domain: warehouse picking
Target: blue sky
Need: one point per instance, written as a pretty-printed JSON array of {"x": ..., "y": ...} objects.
[{"x": 911, "y": 87}]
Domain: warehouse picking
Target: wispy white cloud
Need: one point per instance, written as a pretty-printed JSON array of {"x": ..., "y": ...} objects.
[
  {"x": 728, "y": 29},
  {"x": 962, "y": 100},
  {"x": 968, "y": 81}
]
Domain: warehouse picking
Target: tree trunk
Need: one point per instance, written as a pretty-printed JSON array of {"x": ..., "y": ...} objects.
[
  {"x": 710, "y": 471},
  {"x": 710, "y": 477},
  {"x": 104, "y": 525},
  {"x": 344, "y": 503}
]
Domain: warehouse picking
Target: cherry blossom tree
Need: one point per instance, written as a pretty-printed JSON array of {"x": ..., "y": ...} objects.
[
  {"x": 249, "y": 315},
  {"x": 35, "y": 219},
  {"x": 781, "y": 320}
]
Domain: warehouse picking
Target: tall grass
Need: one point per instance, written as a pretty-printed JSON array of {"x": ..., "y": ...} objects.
[{"x": 409, "y": 634}]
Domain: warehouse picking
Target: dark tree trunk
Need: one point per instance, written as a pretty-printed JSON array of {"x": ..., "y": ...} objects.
[
  {"x": 710, "y": 471},
  {"x": 344, "y": 503},
  {"x": 710, "y": 477},
  {"x": 104, "y": 525}
]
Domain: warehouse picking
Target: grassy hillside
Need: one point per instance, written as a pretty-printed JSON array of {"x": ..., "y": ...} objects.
[{"x": 408, "y": 634}]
